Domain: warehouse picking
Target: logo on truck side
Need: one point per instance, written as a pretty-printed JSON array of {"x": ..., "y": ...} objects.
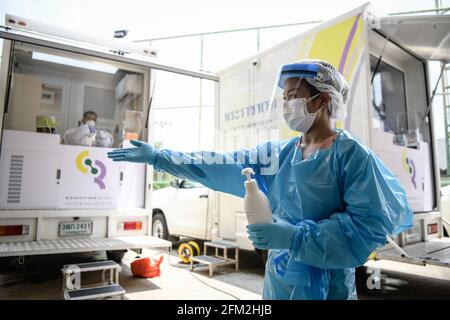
[
  {"x": 87, "y": 166},
  {"x": 410, "y": 167}
]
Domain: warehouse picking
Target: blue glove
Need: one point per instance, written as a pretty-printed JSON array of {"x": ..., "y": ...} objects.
[
  {"x": 144, "y": 153},
  {"x": 278, "y": 235}
]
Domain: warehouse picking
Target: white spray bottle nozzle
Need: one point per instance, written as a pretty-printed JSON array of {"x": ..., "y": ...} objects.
[{"x": 248, "y": 172}]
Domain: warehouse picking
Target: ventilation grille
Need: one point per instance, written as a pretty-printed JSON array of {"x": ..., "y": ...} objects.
[{"x": 15, "y": 179}]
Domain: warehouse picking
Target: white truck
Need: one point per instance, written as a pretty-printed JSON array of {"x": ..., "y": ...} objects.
[
  {"x": 60, "y": 198},
  {"x": 385, "y": 61}
]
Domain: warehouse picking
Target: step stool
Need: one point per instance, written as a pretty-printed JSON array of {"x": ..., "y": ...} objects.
[
  {"x": 217, "y": 260},
  {"x": 108, "y": 288}
]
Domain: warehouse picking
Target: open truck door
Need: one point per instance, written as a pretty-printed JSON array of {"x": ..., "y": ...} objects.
[
  {"x": 400, "y": 49},
  {"x": 58, "y": 196}
]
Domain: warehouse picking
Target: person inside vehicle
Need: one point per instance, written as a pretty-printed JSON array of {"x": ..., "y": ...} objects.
[{"x": 86, "y": 134}]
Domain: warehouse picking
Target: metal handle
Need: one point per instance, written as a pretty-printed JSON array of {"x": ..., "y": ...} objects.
[
  {"x": 203, "y": 196},
  {"x": 397, "y": 247}
]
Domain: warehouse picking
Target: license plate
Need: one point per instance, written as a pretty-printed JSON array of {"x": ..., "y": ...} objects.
[{"x": 75, "y": 228}]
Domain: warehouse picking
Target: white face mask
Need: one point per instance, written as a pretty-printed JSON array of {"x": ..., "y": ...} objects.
[
  {"x": 297, "y": 116},
  {"x": 91, "y": 124}
]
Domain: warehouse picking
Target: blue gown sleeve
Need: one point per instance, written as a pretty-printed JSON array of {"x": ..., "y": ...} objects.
[
  {"x": 221, "y": 171},
  {"x": 375, "y": 206}
]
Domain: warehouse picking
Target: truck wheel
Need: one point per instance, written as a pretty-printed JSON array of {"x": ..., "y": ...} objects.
[
  {"x": 115, "y": 255},
  {"x": 159, "y": 227}
]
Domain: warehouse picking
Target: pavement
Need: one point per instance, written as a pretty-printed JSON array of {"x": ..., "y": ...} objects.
[
  {"x": 41, "y": 278},
  {"x": 402, "y": 281}
]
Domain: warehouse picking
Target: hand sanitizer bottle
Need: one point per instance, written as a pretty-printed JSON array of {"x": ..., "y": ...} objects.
[{"x": 256, "y": 204}]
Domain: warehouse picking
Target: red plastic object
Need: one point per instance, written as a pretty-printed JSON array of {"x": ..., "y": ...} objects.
[{"x": 143, "y": 268}]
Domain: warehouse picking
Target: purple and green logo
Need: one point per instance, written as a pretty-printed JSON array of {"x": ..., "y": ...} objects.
[
  {"x": 94, "y": 167},
  {"x": 409, "y": 166}
]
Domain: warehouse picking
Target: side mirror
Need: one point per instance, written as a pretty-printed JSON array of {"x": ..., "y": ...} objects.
[{"x": 174, "y": 183}]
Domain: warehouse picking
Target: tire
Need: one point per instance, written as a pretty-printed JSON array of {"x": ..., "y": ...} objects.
[
  {"x": 159, "y": 227},
  {"x": 115, "y": 255}
]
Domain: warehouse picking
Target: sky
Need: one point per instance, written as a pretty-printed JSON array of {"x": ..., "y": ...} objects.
[
  {"x": 150, "y": 18},
  {"x": 153, "y": 19}
]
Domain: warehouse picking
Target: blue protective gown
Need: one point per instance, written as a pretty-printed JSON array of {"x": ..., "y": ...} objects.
[{"x": 343, "y": 199}]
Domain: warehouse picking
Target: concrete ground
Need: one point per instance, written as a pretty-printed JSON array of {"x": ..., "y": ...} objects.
[
  {"x": 41, "y": 278},
  {"x": 403, "y": 281}
]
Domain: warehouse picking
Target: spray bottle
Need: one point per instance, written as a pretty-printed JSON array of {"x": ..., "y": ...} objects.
[{"x": 256, "y": 204}]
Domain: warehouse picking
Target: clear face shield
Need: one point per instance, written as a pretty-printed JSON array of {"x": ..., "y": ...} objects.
[
  {"x": 292, "y": 91},
  {"x": 289, "y": 90}
]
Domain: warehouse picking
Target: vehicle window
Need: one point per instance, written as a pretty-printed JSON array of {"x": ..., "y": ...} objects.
[
  {"x": 388, "y": 98},
  {"x": 85, "y": 100}
]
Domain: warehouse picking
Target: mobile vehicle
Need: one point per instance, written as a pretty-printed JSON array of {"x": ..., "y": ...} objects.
[{"x": 60, "y": 198}]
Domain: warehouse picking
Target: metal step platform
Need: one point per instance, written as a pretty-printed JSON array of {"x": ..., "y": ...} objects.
[
  {"x": 432, "y": 252},
  {"x": 217, "y": 260},
  {"x": 96, "y": 293},
  {"x": 108, "y": 288}
]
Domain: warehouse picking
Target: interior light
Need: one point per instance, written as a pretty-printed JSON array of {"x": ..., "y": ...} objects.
[{"x": 97, "y": 66}]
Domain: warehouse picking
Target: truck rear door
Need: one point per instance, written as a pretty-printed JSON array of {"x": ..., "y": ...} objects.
[{"x": 425, "y": 38}]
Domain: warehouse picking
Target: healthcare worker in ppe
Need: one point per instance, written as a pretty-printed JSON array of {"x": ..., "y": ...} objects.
[
  {"x": 87, "y": 133},
  {"x": 333, "y": 200}
]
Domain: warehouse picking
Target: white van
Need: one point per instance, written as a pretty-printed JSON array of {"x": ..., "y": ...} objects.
[{"x": 57, "y": 197}]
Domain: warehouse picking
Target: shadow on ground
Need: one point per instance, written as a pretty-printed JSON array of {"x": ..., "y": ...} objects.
[
  {"x": 400, "y": 286},
  {"x": 46, "y": 270},
  {"x": 251, "y": 271}
]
